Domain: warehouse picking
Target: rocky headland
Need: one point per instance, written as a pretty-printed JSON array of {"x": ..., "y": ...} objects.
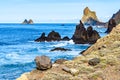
[
  {"x": 30, "y": 21},
  {"x": 90, "y": 18},
  {"x": 98, "y": 62}
]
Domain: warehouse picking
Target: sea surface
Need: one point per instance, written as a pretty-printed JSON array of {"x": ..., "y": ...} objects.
[{"x": 18, "y": 49}]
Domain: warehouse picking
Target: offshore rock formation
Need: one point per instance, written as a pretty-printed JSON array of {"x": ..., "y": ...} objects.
[
  {"x": 116, "y": 17},
  {"x": 90, "y": 18},
  {"x": 111, "y": 24},
  {"x": 27, "y": 22},
  {"x": 83, "y": 36},
  {"x": 52, "y": 36},
  {"x": 60, "y": 49}
]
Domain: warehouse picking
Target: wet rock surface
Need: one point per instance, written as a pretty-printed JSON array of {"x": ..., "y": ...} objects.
[{"x": 60, "y": 49}]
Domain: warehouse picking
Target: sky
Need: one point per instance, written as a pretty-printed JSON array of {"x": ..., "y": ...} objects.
[{"x": 54, "y": 11}]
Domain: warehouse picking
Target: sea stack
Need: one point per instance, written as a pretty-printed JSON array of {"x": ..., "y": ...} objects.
[
  {"x": 83, "y": 36},
  {"x": 90, "y": 18},
  {"x": 27, "y": 21}
]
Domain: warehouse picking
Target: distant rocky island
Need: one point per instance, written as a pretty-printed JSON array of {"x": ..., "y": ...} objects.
[
  {"x": 90, "y": 18},
  {"x": 30, "y": 21}
]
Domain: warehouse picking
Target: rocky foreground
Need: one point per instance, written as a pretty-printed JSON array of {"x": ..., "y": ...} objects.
[{"x": 99, "y": 62}]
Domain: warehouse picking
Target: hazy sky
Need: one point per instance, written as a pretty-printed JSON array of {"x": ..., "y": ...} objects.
[{"x": 15, "y": 11}]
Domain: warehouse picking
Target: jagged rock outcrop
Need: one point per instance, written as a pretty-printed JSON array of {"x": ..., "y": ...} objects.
[
  {"x": 90, "y": 18},
  {"x": 43, "y": 62},
  {"x": 116, "y": 17},
  {"x": 27, "y": 22},
  {"x": 41, "y": 38},
  {"x": 52, "y": 36},
  {"x": 66, "y": 38},
  {"x": 83, "y": 36},
  {"x": 110, "y": 26}
]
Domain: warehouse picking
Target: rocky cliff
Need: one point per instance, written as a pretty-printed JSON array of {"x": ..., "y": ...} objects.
[
  {"x": 100, "y": 62},
  {"x": 90, "y": 18}
]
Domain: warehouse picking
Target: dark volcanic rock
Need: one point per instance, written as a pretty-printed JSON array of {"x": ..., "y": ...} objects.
[
  {"x": 92, "y": 35},
  {"x": 116, "y": 17},
  {"x": 41, "y": 38},
  {"x": 60, "y": 49},
  {"x": 53, "y": 36},
  {"x": 66, "y": 38},
  {"x": 111, "y": 24},
  {"x": 80, "y": 35},
  {"x": 43, "y": 62},
  {"x": 94, "y": 61},
  {"x": 60, "y": 61},
  {"x": 83, "y": 36}
]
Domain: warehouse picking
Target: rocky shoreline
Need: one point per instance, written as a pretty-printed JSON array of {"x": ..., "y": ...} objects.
[{"x": 99, "y": 62}]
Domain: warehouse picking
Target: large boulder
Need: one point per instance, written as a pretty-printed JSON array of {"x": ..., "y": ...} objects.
[
  {"x": 41, "y": 38},
  {"x": 111, "y": 24},
  {"x": 53, "y": 36},
  {"x": 83, "y": 36},
  {"x": 43, "y": 62},
  {"x": 94, "y": 61}
]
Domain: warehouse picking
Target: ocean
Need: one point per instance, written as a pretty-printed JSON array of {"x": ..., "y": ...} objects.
[{"x": 18, "y": 48}]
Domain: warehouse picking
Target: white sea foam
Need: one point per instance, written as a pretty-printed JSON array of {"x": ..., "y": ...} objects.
[{"x": 62, "y": 43}]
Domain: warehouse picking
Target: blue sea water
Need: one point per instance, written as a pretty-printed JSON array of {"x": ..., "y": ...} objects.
[{"x": 18, "y": 49}]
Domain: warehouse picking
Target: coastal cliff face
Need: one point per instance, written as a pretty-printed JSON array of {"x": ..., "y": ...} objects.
[{"x": 106, "y": 52}]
